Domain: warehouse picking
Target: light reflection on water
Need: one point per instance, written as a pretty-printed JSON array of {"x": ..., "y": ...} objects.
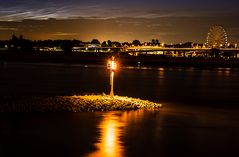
[
  {"x": 183, "y": 129},
  {"x": 109, "y": 143},
  {"x": 112, "y": 128}
]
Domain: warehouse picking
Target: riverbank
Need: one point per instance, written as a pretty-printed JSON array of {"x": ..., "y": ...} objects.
[
  {"x": 84, "y": 103},
  {"x": 122, "y": 59}
]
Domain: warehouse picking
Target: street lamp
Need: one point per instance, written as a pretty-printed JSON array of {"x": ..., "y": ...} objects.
[{"x": 112, "y": 66}]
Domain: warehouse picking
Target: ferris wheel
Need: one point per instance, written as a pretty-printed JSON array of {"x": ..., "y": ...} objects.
[{"x": 216, "y": 37}]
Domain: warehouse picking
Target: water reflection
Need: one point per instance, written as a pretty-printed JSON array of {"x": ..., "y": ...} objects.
[{"x": 109, "y": 143}]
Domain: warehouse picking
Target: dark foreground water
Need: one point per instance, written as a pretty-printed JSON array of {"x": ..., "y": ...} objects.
[{"x": 200, "y": 115}]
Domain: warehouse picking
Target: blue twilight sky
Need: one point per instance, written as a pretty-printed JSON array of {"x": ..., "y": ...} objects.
[{"x": 169, "y": 21}]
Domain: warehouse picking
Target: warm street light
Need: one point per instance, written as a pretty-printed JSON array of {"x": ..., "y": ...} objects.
[{"x": 112, "y": 66}]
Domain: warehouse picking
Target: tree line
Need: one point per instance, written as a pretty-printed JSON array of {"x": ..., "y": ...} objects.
[{"x": 25, "y": 45}]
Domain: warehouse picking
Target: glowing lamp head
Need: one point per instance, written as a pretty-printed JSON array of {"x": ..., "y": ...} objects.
[{"x": 111, "y": 65}]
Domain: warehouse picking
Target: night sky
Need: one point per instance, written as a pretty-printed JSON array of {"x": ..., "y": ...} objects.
[{"x": 170, "y": 21}]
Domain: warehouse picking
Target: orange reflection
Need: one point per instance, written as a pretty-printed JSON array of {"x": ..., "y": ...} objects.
[{"x": 109, "y": 144}]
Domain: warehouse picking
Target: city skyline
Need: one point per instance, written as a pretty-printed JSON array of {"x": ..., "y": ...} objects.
[{"x": 168, "y": 21}]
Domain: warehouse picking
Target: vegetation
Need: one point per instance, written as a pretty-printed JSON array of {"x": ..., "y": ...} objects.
[{"x": 136, "y": 43}]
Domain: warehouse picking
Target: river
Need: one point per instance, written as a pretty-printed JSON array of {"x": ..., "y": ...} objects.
[{"x": 199, "y": 115}]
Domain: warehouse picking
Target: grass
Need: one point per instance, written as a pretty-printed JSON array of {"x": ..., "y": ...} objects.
[{"x": 81, "y": 103}]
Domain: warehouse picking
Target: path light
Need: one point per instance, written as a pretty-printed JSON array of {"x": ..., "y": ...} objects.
[{"x": 112, "y": 66}]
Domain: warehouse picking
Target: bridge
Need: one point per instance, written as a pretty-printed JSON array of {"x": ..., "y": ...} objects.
[
  {"x": 151, "y": 49},
  {"x": 147, "y": 49},
  {"x": 181, "y": 52},
  {"x": 158, "y": 50}
]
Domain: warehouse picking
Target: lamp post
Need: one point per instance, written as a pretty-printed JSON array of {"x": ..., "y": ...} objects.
[{"x": 112, "y": 66}]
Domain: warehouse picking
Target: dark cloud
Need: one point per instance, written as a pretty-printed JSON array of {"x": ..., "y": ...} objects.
[
  {"x": 125, "y": 20},
  {"x": 166, "y": 29},
  {"x": 35, "y": 9}
]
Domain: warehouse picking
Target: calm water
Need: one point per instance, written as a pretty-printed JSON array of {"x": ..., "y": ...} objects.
[{"x": 200, "y": 115}]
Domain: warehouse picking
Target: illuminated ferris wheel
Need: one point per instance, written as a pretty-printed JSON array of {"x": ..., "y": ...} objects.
[{"x": 216, "y": 37}]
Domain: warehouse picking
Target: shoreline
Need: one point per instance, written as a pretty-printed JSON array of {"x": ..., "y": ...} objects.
[
  {"x": 76, "y": 103},
  {"x": 125, "y": 60}
]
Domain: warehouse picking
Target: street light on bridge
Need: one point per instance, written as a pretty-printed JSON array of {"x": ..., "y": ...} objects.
[{"x": 112, "y": 66}]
